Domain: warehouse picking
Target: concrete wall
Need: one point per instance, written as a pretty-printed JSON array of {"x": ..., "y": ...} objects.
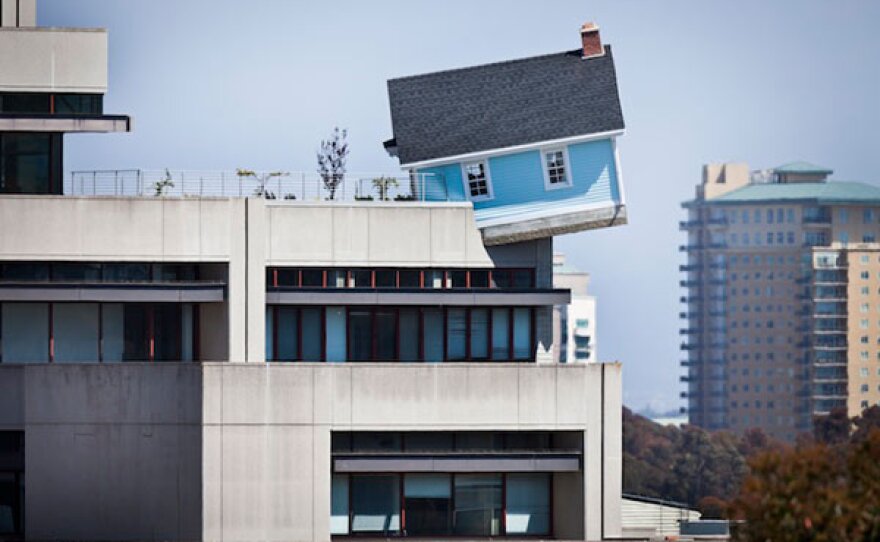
[
  {"x": 18, "y": 13},
  {"x": 52, "y": 59},
  {"x": 112, "y": 452},
  {"x": 118, "y": 229},
  {"x": 267, "y": 433},
  {"x": 401, "y": 234}
]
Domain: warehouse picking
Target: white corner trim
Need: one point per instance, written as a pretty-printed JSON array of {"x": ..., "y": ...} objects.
[
  {"x": 566, "y": 164},
  {"x": 617, "y": 171},
  {"x": 473, "y": 156},
  {"x": 467, "y": 187}
]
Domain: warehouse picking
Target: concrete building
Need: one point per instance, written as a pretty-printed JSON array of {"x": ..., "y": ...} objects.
[
  {"x": 574, "y": 324},
  {"x": 783, "y": 297},
  {"x": 254, "y": 357}
]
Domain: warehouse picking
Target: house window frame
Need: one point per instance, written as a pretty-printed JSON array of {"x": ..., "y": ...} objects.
[
  {"x": 490, "y": 192},
  {"x": 545, "y": 168}
]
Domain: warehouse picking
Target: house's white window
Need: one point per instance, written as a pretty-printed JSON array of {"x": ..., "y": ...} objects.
[
  {"x": 556, "y": 174},
  {"x": 478, "y": 184}
]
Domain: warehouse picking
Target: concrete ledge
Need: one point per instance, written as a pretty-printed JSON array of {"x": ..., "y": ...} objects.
[
  {"x": 71, "y": 123},
  {"x": 482, "y": 298},
  {"x": 209, "y": 293},
  {"x": 555, "y": 225}
]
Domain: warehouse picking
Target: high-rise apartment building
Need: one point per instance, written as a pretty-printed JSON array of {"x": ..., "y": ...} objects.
[
  {"x": 782, "y": 303},
  {"x": 237, "y": 356},
  {"x": 574, "y": 323}
]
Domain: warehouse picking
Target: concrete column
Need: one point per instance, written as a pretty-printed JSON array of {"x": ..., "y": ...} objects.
[
  {"x": 256, "y": 280},
  {"x": 237, "y": 286},
  {"x": 27, "y": 13},
  {"x": 8, "y": 13},
  {"x": 613, "y": 452}
]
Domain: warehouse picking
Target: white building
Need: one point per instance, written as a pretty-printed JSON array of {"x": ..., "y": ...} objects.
[
  {"x": 207, "y": 364},
  {"x": 574, "y": 324}
]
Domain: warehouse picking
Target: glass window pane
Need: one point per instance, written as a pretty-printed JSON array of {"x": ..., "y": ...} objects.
[
  {"x": 336, "y": 278},
  {"x": 528, "y": 504},
  {"x": 376, "y": 441},
  {"x": 25, "y": 332},
  {"x": 477, "y": 505},
  {"x": 522, "y": 333},
  {"x": 78, "y": 104},
  {"x": 11, "y": 503},
  {"x": 112, "y": 330},
  {"x": 360, "y": 335},
  {"x": 428, "y": 442},
  {"x": 336, "y": 340},
  {"x": 409, "y": 334},
  {"x": 135, "y": 332},
  {"x": 375, "y": 503},
  {"x": 433, "y": 334},
  {"x": 312, "y": 337},
  {"x": 76, "y": 272},
  {"x": 478, "y": 441},
  {"x": 25, "y": 272},
  {"x": 362, "y": 278},
  {"x": 456, "y": 329},
  {"x": 340, "y": 442},
  {"x": 25, "y": 102},
  {"x": 339, "y": 505},
  {"x": 288, "y": 277},
  {"x": 313, "y": 278},
  {"x": 434, "y": 278},
  {"x": 75, "y": 328},
  {"x": 479, "y": 333},
  {"x": 428, "y": 500},
  {"x": 187, "y": 332},
  {"x": 386, "y": 278},
  {"x": 287, "y": 329},
  {"x": 409, "y": 278},
  {"x": 501, "y": 334},
  {"x": 126, "y": 272},
  {"x": 501, "y": 278},
  {"x": 26, "y": 163},
  {"x": 167, "y": 327},
  {"x": 479, "y": 278},
  {"x": 459, "y": 278},
  {"x": 386, "y": 335},
  {"x": 522, "y": 278}
]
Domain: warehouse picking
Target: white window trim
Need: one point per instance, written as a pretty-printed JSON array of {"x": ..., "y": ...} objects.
[
  {"x": 567, "y": 164},
  {"x": 467, "y": 187}
]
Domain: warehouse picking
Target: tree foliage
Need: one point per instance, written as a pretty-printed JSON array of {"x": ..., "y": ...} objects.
[{"x": 331, "y": 161}]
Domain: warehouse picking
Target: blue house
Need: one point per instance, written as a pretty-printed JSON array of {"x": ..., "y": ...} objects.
[{"x": 530, "y": 142}]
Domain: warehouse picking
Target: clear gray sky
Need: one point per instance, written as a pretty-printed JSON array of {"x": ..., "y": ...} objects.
[{"x": 219, "y": 84}]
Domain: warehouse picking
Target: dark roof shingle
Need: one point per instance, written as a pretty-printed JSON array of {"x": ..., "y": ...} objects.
[{"x": 504, "y": 104}]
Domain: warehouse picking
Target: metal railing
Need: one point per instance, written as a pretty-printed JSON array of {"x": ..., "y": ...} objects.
[{"x": 282, "y": 186}]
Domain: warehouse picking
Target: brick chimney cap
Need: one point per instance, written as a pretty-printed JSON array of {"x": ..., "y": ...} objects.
[{"x": 589, "y": 26}]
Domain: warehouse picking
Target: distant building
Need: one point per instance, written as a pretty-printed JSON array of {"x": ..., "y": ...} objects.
[
  {"x": 574, "y": 324},
  {"x": 782, "y": 303}
]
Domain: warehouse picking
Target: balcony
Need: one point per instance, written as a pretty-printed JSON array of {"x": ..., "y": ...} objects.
[
  {"x": 689, "y": 268},
  {"x": 689, "y": 283}
]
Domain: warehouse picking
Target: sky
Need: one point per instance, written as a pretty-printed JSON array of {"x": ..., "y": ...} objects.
[{"x": 221, "y": 84}]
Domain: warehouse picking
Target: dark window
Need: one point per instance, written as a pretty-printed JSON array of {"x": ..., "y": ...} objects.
[
  {"x": 11, "y": 483},
  {"x": 502, "y": 278},
  {"x": 523, "y": 278},
  {"x": 30, "y": 163},
  {"x": 25, "y": 103},
  {"x": 434, "y": 441},
  {"x": 477, "y": 504},
  {"x": 168, "y": 326},
  {"x": 287, "y": 334},
  {"x": 126, "y": 272},
  {"x": 136, "y": 335},
  {"x": 479, "y": 333},
  {"x": 312, "y": 334},
  {"x": 312, "y": 278},
  {"x": 360, "y": 335},
  {"x": 386, "y": 335},
  {"x": 410, "y": 278},
  {"x": 288, "y": 277},
  {"x": 375, "y": 504},
  {"x": 76, "y": 272},
  {"x": 174, "y": 272},
  {"x": 456, "y": 334},
  {"x": 79, "y": 104},
  {"x": 409, "y": 334},
  {"x": 386, "y": 278},
  {"x": 428, "y": 499},
  {"x": 479, "y": 441},
  {"x": 459, "y": 278},
  {"x": 362, "y": 278},
  {"x": 376, "y": 441},
  {"x": 479, "y": 279},
  {"x": 29, "y": 271}
]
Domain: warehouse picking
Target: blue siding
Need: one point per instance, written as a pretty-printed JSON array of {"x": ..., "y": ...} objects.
[
  {"x": 518, "y": 179},
  {"x": 443, "y": 183}
]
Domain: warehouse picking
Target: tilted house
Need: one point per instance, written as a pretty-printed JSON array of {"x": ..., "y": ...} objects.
[{"x": 531, "y": 142}]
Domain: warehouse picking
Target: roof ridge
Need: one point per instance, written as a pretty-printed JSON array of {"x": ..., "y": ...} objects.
[{"x": 607, "y": 47}]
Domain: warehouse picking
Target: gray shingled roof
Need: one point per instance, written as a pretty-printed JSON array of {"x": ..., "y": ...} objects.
[{"x": 504, "y": 104}]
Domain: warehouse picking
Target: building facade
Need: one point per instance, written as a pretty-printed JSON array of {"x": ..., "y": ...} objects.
[
  {"x": 230, "y": 360},
  {"x": 781, "y": 298},
  {"x": 574, "y": 323}
]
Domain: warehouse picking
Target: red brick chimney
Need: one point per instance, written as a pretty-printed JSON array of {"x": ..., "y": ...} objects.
[{"x": 592, "y": 43}]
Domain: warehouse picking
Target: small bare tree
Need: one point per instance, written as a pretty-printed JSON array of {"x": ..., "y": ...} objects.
[
  {"x": 331, "y": 161},
  {"x": 384, "y": 185},
  {"x": 165, "y": 183}
]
